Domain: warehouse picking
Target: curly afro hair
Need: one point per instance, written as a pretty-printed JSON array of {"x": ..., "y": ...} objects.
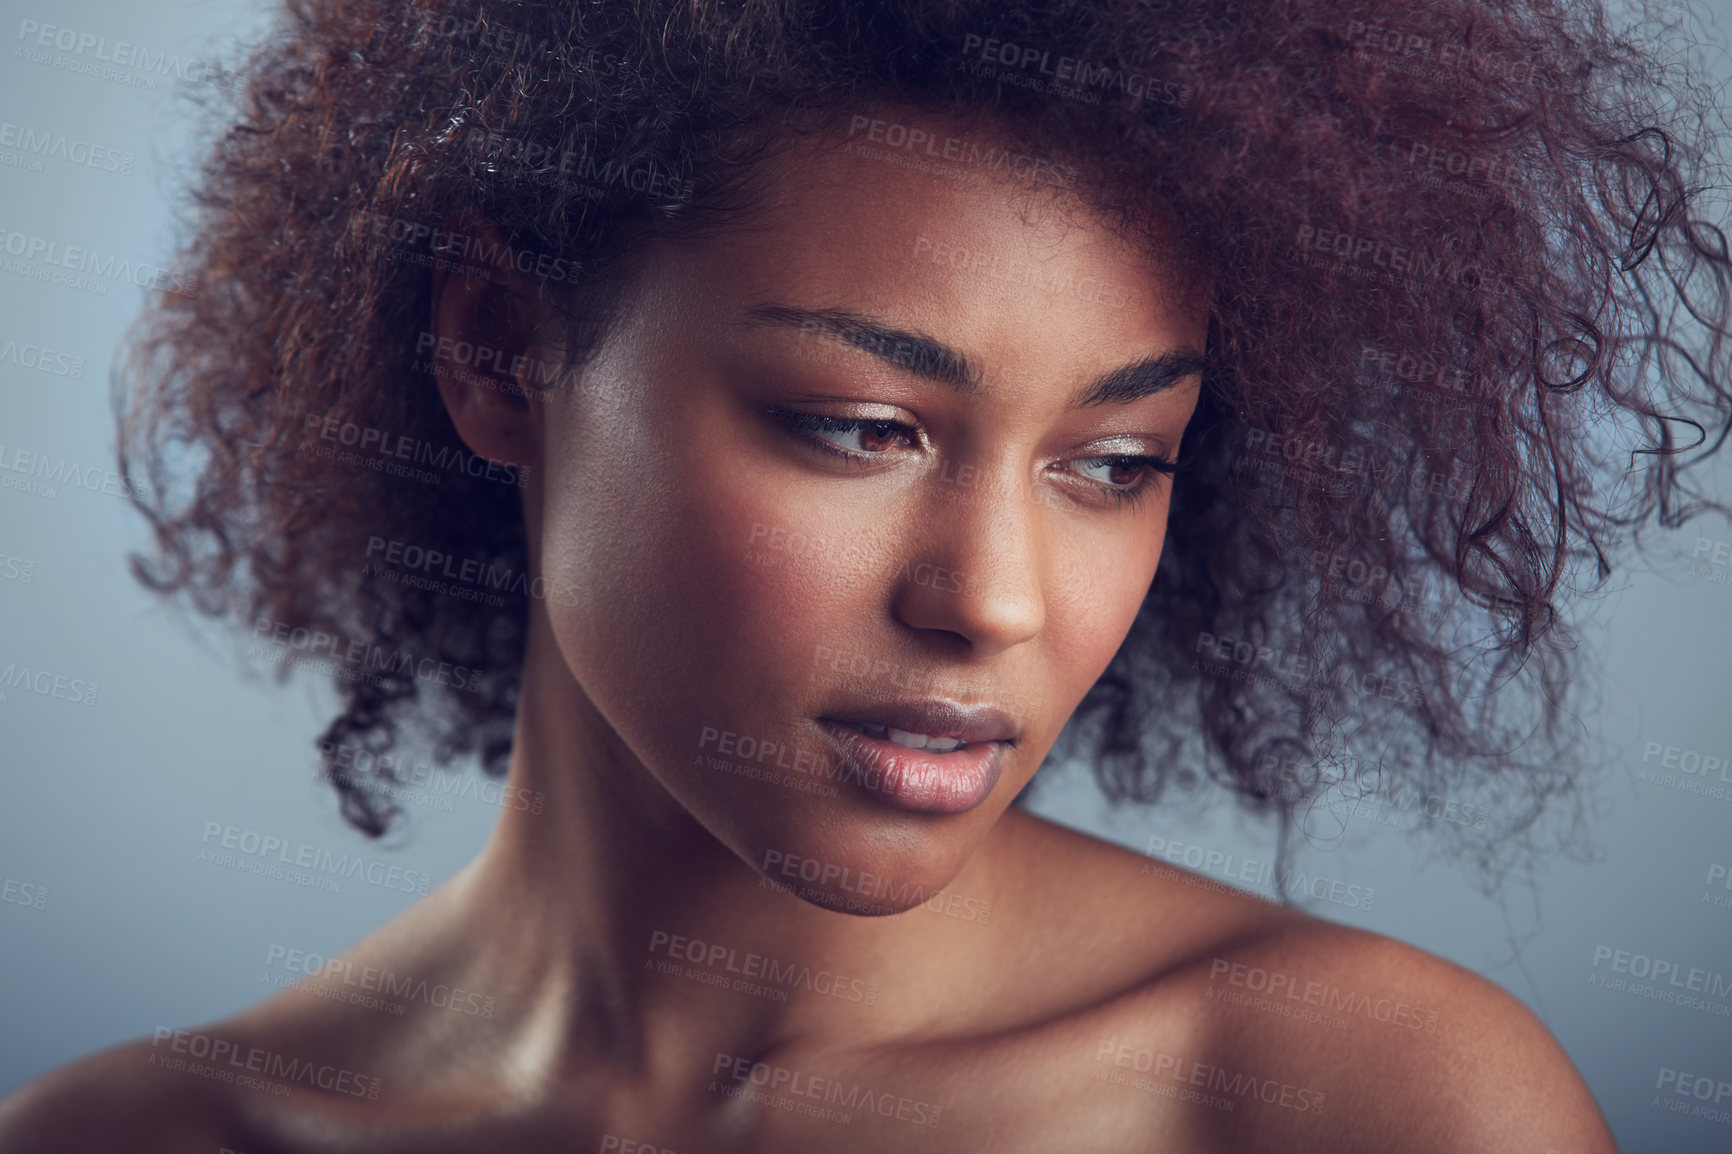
[{"x": 1467, "y": 337}]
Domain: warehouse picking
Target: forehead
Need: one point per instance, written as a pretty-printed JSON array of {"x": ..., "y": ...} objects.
[{"x": 950, "y": 228}]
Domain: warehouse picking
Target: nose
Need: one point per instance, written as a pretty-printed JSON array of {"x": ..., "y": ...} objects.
[{"x": 974, "y": 562}]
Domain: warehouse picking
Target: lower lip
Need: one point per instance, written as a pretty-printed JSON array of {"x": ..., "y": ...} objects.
[{"x": 919, "y": 779}]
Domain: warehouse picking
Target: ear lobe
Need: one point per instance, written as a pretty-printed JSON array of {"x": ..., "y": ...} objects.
[{"x": 483, "y": 323}]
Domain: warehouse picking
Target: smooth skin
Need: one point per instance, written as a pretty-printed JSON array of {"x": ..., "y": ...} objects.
[{"x": 1016, "y": 986}]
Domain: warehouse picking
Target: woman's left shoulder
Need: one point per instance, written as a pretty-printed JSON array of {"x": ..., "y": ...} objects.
[
  {"x": 1362, "y": 1042},
  {"x": 1275, "y": 1029}
]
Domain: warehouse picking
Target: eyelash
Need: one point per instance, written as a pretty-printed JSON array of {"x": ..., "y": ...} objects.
[{"x": 810, "y": 424}]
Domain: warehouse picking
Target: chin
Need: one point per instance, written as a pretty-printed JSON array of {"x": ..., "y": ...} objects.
[{"x": 868, "y": 872}]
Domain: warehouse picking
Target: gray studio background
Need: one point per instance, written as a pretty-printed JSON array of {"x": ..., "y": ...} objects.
[{"x": 111, "y": 925}]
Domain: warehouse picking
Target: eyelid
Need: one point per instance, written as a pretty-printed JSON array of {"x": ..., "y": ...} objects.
[
  {"x": 1123, "y": 446},
  {"x": 808, "y": 427},
  {"x": 805, "y": 419},
  {"x": 849, "y": 410},
  {"x": 804, "y": 416}
]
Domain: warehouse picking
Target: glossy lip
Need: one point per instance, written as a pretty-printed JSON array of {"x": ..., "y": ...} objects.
[
  {"x": 918, "y": 779},
  {"x": 935, "y": 717}
]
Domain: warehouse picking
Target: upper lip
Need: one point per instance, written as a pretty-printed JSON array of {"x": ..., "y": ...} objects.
[{"x": 935, "y": 717}]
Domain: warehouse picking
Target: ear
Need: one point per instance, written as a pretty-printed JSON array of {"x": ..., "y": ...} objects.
[{"x": 482, "y": 325}]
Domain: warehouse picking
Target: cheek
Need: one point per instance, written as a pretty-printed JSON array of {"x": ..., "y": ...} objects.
[
  {"x": 706, "y": 591},
  {"x": 1096, "y": 593},
  {"x": 616, "y": 534},
  {"x": 787, "y": 579}
]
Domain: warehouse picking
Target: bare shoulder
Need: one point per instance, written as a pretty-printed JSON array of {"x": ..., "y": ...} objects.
[
  {"x": 314, "y": 1054},
  {"x": 1301, "y": 1034},
  {"x": 1406, "y": 1051},
  {"x": 247, "y": 1080},
  {"x": 126, "y": 1097},
  {"x": 1264, "y": 1027}
]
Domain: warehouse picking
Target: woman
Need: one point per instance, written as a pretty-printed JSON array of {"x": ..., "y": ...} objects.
[{"x": 760, "y": 430}]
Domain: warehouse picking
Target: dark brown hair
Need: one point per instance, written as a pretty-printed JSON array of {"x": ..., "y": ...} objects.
[{"x": 1467, "y": 334}]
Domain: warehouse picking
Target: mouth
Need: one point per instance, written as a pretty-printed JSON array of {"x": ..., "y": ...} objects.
[
  {"x": 905, "y": 739},
  {"x": 933, "y": 723},
  {"x": 928, "y": 757}
]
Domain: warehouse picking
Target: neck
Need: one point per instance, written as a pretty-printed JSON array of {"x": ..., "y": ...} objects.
[{"x": 617, "y": 907}]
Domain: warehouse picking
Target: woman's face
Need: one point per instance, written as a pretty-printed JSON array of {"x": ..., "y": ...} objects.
[{"x": 865, "y": 462}]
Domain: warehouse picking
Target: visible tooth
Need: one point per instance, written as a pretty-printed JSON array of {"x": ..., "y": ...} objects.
[{"x": 911, "y": 740}]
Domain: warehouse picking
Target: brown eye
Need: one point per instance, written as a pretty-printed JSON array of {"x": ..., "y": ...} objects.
[
  {"x": 1123, "y": 472},
  {"x": 876, "y": 437},
  {"x": 1118, "y": 472},
  {"x": 851, "y": 434},
  {"x": 1124, "y": 478}
]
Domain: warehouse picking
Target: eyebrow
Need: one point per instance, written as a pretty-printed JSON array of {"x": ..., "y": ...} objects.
[
  {"x": 931, "y": 359},
  {"x": 1141, "y": 379},
  {"x": 916, "y": 353}
]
